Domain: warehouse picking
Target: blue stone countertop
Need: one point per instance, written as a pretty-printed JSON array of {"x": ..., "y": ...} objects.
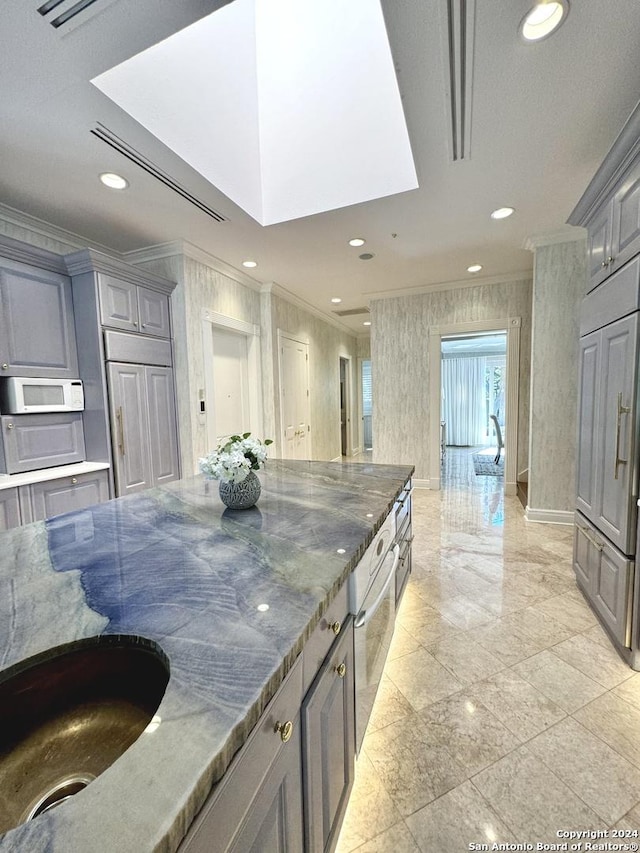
[{"x": 174, "y": 566}]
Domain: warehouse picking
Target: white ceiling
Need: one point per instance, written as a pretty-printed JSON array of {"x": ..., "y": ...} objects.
[{"x": 543, "y": 117}]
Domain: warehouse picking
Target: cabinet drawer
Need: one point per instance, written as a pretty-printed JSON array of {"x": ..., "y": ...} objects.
[
  {"x": 320, "y": 642},
  {"x": 32, "y": 442},
  {"x": 136, "y": 349},
  {"x": 9, "y": 509},
  {"x": 55, "y": 497},
  {"x": 617, "y": 297}
]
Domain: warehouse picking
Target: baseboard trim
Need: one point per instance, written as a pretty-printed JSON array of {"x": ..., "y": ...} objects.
[
  {"x": 425, "y": 484},
  {"x": 548, "y": 516}
]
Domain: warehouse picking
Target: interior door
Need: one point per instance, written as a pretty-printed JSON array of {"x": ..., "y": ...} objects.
[
  {"x": 231, "y": 411},
  {"x": 294, "y": 398}
]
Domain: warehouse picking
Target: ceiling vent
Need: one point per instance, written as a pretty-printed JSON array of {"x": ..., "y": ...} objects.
[
  {"x": 460, "y": 38},
  {"x": 140, "y": 160},
  {"x": 71, "y": 12},
  {"x": 351, "y": 312}
]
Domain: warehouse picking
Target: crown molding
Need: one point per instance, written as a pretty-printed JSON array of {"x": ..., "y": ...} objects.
[
  {"x": 568, "y": 234},
  {"x": 89, "y": 260},
  {"x": 49, "y": 231},
  {"x": 277, "y": 290},
  {"x": 195, "y": 253},
  {"x": 522, "y": 277},
  {"x": 25, "y": 253}
]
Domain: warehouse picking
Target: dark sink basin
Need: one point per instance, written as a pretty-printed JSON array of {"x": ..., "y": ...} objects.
[{"x": 66, "y": 715}]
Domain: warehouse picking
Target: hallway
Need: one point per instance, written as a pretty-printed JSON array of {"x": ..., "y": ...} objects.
[{"x": 504, "y": 714}]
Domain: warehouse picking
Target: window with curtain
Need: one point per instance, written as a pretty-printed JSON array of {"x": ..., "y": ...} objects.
[{"x": 464, "y": 400}]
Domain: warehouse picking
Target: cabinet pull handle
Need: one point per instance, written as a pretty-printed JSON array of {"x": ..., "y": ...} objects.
[
  {"x": 622, "y": 410},
  {"x": 120, "y": 419},
  {"x": 588, "y": 535},
  {"x": 336, "y": 627},
  {"x": 341, "y": 670},
  {"x": 285, "y": 729}
]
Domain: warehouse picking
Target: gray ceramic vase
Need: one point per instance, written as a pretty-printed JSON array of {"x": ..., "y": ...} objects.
[{"x": 241, "y": 495}]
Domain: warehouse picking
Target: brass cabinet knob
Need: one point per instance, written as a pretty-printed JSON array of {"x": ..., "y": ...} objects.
[
  {"x": 336, "y": 627},
  {"x": 285, "y": 729},
  {"x": 74, "y": 480},
  {"x": 9, "y": 426},
  {"x": 603, "y": 264},
  {"x": 342, "y": 670},
  {"x": 5, "y": 366},
  {"x": 609, "y": 260}
]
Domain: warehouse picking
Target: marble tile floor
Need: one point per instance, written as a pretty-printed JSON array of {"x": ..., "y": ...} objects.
[{"x": 504, "y": 714}]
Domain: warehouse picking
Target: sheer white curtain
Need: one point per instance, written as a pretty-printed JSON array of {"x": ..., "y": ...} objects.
[{"x": 464, "y": 403}]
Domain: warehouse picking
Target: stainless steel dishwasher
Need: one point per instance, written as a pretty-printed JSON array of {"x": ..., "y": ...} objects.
[{"x": 372, "y": 593}]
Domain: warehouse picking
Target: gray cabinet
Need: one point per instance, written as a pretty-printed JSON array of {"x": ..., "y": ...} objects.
[
  {"x": 130, "y": 307},
  {"x": 31, "y": 442},
  {"x": 142, "y": 406},
  {"x": 328, "y": 751},
  {"x": 9, "y": 509},
  {"x": 257, "y": 807},
  {"x": 65, "y": 494},
  {"x": 614, "y": 229},
  {"x": 36, "y": 322},
  {"x": 606, "y": 576},
  {"x": 607, "y": 418}
]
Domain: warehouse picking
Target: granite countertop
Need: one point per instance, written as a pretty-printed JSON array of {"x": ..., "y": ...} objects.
[{"x": 173, "y": 565}]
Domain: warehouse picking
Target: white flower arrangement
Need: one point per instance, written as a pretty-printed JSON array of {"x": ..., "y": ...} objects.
[{"x": 233, "y": 460}]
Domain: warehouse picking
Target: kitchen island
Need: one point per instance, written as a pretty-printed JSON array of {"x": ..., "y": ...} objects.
[{"x": 174, "y": 566}]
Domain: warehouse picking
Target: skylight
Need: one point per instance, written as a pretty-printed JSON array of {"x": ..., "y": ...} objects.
[{"x": 289, "y": 107}]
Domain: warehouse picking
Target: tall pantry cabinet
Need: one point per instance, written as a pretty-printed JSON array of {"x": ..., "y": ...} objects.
[
  {"x": 123, "y": 330},
  {"x": 605, "y": 542}
]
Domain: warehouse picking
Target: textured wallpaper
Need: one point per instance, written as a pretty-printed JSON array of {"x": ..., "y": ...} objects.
[
  {"x": 560, "y": 275},
  {"x": 400, "y": 363}
]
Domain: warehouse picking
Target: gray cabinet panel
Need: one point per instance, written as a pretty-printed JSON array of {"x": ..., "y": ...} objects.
[
  {"x": 32, "y": 442},
  {"x": 617, "y": 513},
  {"x": 127, "y": 403},
  {"x": 258, "y": 804},
  {"x": 328, "y": 732},
  {"x": 118, "y": 303},
  {"x": 588, "y": 423},
  {"x": 599, "y": 246},
  {"x": 606, "y": 576},
  {"x": 153, "y": 312},
  {"x": 626, "y": 217},
  {"x": 617, "y": 297},
  {"x": 137, "y": 349},
  {"x": 66, "y": 494},
  {"x": 163, "y": 444},
  {"x": 37, "y": 335},
  {"x": 9, "y": 509}
]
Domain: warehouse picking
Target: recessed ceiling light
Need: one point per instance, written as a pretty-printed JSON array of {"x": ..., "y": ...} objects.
[
  {"x": 249, "y": 264},
  {"x": 543, "y": 19},
  {"x": 113, "y": 181},
  {"x": 474, "y": 268},
  {"x": 367, "y": 323},
  {"x": 502, "y": 212},
  {"x": 336, "y": 300},
  {"x": 357, "y": 241},
  {"x": 366, "y": 256}
]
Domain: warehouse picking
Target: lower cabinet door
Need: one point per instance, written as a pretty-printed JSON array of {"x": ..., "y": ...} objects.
[
  {"x": 9, "y": 509},
  {"x": 163, "y": 438},
  {"x": 130, "y": 427},
  {"x": 328, "y": 750},
  {"x": 605, "y": 575},
  {"x": 54, "y": 497},
  {"x": 257, "y": 806}
]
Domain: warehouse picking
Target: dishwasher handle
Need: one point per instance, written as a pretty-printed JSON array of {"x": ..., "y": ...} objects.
[{"x": 366, "y": 615}]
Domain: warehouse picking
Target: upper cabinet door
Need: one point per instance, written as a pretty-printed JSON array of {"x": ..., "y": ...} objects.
[
  {"x": 37, "y": 335},
  {"x": 153, "y": 312},
  {"x": 616, "y": 517},
  {"x": 599, "y": 251},
  {"x": 626, "y": 218},
  {"x": 118, "y": 303}
]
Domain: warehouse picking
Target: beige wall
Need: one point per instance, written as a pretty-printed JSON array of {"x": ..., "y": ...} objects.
[
  {"x": 327, "y": 344},
  {"x": 559, "y": 281},
  {"x": 400, "y": 363}
]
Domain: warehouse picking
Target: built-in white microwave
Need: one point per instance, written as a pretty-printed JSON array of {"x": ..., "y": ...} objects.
[{"x": 21, "y": 395}]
